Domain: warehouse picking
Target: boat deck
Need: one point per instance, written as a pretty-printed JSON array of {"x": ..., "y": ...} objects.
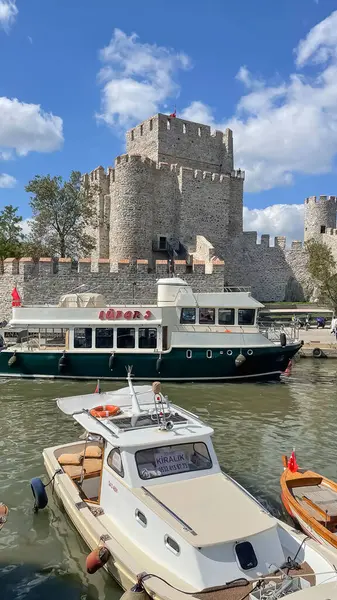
[
  {"x": 238, "y": 593},
  {"x": 319, "y": 501}
]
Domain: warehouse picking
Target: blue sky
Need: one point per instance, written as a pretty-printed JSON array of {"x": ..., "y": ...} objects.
[{"x": 76, "y": 74}]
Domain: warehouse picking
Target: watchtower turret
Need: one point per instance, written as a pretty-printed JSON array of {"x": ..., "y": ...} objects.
[{"x": 319, "y": 215}]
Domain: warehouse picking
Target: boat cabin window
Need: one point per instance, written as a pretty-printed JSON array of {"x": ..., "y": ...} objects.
[
  {"x": 187, "y": 315},
  {"x": 147, "y": 337},
  {"x": 82, "y": 337},
  {"x": 246, "y": 555},
  {"x": 246, "y": 316},
  {"x": 170, "y": 460},
  {"x": 226, "y": 316},
  {"x": 114, "y": 461},
  {"x": 126, "y": 337},
  {"x": 140, "y": 517},
  {"x": 207, "y": 316},
  {"x": 104, "y": 337},
  {"x": 172, "y": 545}
]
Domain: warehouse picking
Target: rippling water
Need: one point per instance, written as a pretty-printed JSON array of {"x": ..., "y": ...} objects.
[{"x": 42, "y": 556}]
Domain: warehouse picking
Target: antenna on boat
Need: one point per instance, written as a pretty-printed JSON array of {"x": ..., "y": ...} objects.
[{"x": 134, "y": 400}]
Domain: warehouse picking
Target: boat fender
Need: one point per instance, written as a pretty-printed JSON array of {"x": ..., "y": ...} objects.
[
  {"x": 39, "y": 493},
  {"x": 97, "y": 559},
  {"x": 317, "y": 353},
  {"x": 240, "y": 359},
  {"x": 12, "y": 359},
  {"x": 283, "y": 339},
  {"x": 158, "y": 364},
  {"x": 111, "y": 361},
  {"x": 62, "y": 362}
]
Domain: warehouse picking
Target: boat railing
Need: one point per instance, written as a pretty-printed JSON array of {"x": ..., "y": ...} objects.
[
  {"x": 237, "y": 288},
  {"x": 273, "y": 332}
]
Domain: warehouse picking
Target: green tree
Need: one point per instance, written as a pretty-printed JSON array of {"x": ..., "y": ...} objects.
[
  {"x": 62, "y": 212},
  {"x": 323, "y": 269},
  {"x": 11, "y": 235}
]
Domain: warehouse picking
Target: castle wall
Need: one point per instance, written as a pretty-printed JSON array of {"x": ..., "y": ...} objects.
[
  {"x": 204, "y": 206},
  {"x": 45, "y": 281},
  {"x": 273, "y": 272},
  {"x": 176, "y": 141}
]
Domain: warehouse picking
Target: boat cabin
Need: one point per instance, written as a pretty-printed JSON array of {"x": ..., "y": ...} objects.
[{"x": 84, "y": 322}]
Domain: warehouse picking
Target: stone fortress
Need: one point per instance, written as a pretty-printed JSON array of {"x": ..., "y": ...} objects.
[{"x": 174, "y": 204}]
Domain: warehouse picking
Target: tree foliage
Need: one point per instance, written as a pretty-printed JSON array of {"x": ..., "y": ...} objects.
[
  {"x": 323, "y": 269},
  {"x": 62, "y": 212},
  {"x": 11, "y": 235}
]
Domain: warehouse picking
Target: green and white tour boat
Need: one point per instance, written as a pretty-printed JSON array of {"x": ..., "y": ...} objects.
[{"x": 186, "y": 336}]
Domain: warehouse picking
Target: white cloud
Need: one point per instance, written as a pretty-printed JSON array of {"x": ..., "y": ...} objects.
[
  {"x": 279, "y": 219},
  {"x": 7, "y": 181},
  {"x": 8, "y": 13},
  {"x": 320, "y": 43},
  {"x": 136, "y": 78},
  {"x": 6, "y": 154},
  {"x": 290, "y": 127},
  {"x": 26, "y": 128},
  {"x": 26, "y": 225}
]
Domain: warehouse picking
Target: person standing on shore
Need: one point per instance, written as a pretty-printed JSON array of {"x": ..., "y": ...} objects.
[{"x": 333, "y": 328}]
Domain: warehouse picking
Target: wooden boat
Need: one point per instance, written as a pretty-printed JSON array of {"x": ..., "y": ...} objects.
[
  {"x": 185, "y": 336},
  {"x": 3, "y": 514},
  {"x": 145, "y": 491},
  {"x": 311, "y": 500}
]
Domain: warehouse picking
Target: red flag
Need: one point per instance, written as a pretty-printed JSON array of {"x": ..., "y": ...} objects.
[
  {"x": 173, "y": 115},
  {"x": 292, "y": 463},
  {"x": 16, "y": 297},
  {"x": 98, "y": 387}
]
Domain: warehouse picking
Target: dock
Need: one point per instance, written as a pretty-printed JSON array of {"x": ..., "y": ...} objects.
[{"x": 318, "y": 343}]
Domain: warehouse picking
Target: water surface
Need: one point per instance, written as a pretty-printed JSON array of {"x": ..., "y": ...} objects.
[{"x": 43, "y": 557}]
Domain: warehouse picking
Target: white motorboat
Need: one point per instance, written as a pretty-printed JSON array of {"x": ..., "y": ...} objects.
[{"x": 145, "y": 491}]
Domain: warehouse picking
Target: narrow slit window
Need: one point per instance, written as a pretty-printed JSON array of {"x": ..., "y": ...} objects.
[
  {"x": 132, "y": 135},
  {"x": 151, "y": 124},
  {"x": 141, "y": 130},
  {"x": 323, "y": 228},
  {"x": 168, "y": 124},
  {"x": 199, "y": 131},
  {"x": 184, "y": 128}
]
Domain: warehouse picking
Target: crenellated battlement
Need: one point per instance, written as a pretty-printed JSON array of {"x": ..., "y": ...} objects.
[
  {"x": 318, "y": 199},
  {"x": 164, "y": 123},
  {"x": 329, "y": 231},
  {"x": 65, "y": 267}
]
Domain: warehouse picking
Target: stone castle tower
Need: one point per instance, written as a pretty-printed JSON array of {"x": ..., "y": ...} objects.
[
  {"x": 176, "y": 181},
  {"x": 319, "y": 217}
]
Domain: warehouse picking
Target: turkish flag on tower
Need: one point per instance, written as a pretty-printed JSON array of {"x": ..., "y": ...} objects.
[{"x": 16, "y": 297}]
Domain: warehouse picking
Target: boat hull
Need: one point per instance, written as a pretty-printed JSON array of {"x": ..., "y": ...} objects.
[
  {"x": 262, "y": 362},
  {"x": 305, "y": 520}
]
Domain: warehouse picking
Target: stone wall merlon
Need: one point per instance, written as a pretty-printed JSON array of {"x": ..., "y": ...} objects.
[
  {"x": 280, "y": 241},
  {"x": 238, "y": 173},
  {"x": 296, "y": 244}
]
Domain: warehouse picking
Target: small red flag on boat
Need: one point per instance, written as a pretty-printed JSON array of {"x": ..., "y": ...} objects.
[
  {"x": 98, "y": 387},
  {"x": 292, "y": 463},
  {"x": 16, "y": 297}
]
